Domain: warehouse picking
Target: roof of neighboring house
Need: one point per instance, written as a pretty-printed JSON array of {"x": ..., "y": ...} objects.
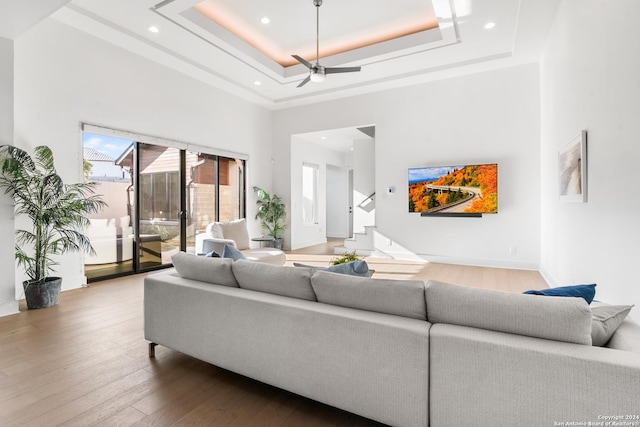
[{"x": 95, "y": 156}]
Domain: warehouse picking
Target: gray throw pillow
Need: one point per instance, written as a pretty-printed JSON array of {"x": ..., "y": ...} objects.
[
  {"x": 354, "y": 268},
  {"x": 205, "y": 269},
  {"x": 605, "y": 322},
  {"x": 230, "y": 251}
]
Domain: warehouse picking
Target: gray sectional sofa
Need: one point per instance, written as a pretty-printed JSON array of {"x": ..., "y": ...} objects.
[{"x": 399, "y": 352}]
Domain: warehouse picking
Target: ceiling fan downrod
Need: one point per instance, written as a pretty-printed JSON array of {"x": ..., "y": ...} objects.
[{"x": 317, "y": 73}]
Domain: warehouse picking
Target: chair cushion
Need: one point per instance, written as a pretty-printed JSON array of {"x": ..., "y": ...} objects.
[
  {"x": 205, "y": 269},
  {"x": 236, "y": 231},
  {"x": 268, "y": 255}
]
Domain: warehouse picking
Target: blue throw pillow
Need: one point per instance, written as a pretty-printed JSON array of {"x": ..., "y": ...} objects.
[
  {"x": 354, "y": 268},
  {"x": 581, "y": 291},
  {"x": 232, "y": 252}
]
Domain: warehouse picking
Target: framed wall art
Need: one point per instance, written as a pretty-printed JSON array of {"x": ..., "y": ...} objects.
[{"x": 572, "y": 170}]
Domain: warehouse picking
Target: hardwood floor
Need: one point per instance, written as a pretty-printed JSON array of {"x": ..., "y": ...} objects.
[{"x": 85, "y": 363}]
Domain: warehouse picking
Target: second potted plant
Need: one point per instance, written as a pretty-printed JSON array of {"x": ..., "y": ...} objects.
[
  {"x": 57, "y": 213},
  {"x": 272, "y": 214}
]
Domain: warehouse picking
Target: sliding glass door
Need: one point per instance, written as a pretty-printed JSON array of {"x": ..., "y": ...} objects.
[
  {"x": 202, "y": 193},
  {"x": 215, "y": 192},
  {"x": 160, "y": 198},
  {"x": 159, "y": 195}
]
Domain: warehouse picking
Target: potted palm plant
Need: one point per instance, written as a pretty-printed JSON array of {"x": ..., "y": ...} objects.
[
  {"x": 57, "y": 214},
  {"x": 272, "y": 214}
]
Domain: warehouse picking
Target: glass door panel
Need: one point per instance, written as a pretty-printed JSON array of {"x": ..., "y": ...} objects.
[
  {"x": 231, "y": 188},
  {"x": 201, "y": 196},
  {"x": 107, "y": 162},
  {"x": 159, "y": 196}
]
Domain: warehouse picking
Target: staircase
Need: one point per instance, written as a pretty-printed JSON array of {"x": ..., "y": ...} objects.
[{"x": 362, "y": 243}]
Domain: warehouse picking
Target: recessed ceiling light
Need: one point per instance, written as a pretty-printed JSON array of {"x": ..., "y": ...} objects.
[
  {"x": 489, "y": 25},
  {"x": 154, "y": 29},
  {"x": 323, "y": 137},
  {"x": 257, "y": 83},
  {"x": 265, "y": 20}
]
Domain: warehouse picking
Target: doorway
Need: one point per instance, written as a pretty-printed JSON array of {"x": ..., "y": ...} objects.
[{"x": 346, "y": 193}]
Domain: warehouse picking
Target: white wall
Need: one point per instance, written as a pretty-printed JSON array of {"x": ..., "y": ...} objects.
[
  {"x": 65, "y": 77},
  {"x": 8, "y": 304},
  {"x": 590, "y": 80},
  {"x": 302, "y": 151},
  {"x": 364, "y": 184},
  {"x": 487, "y": 117}
]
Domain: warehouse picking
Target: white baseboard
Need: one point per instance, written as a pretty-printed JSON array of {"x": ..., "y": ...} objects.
[
  {"x": 520, "y": 265},
  {"x": 8, "y": 307},
  {"x": 547, "y": 277}
]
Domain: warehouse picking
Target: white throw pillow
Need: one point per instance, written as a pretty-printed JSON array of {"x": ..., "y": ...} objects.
[{"x": 236, "y": 231}]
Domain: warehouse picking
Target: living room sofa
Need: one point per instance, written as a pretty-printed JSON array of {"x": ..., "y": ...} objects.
[{"x": 398, "y": 351}]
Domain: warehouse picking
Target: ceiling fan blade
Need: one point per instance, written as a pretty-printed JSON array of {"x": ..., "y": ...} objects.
[
  {"x": 334, "y": 70},
  {"x": 303, "y": 61},
  {"x": 305, "y": 81}
]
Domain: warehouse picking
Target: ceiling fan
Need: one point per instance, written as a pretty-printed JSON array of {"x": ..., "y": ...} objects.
[{"x": 317, "y": 72}]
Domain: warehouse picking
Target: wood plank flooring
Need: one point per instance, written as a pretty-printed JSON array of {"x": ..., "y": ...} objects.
[{"x": 85, "y": 363}]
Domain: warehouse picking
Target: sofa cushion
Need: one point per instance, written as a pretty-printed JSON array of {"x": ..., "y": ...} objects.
[
  {"x": 236, "y": 231},
  {"x": 229, "y": 251},
  {"x": 274, "y": 279},
  {"x": 205, "y": 269},
  {"x": 399, "y": 297},
  {"x": 554, "y": 318},
  {"x": 605, "y": 321},
  {"x": 578, "y": 291}
]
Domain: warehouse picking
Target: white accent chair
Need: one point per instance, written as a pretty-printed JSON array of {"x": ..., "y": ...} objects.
[{"x": 235, "y": 233}]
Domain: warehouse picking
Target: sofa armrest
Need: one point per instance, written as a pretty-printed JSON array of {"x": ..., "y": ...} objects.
[{"x": 481, "y": 377}]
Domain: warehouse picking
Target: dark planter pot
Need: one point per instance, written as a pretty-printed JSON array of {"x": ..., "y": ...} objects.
[
  {"x": 42, "y": 295},
  {"x": 277, "y": 243}
]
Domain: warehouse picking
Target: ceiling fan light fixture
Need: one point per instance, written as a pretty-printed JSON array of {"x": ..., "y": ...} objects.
[{"x": 317, "y": 77}]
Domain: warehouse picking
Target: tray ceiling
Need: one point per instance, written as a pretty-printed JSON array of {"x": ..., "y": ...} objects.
[{"x": 226, "y": 43}]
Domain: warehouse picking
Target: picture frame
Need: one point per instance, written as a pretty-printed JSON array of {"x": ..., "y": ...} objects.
[{"x": 572, "y": 170}]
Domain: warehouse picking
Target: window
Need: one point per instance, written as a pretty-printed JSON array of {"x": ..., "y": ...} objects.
[
  {"x": 309, "y": 193},
  {"x": 159, "y": 198}
]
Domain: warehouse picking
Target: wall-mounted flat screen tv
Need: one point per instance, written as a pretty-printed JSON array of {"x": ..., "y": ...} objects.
[{"x": 450, "y": 190}]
